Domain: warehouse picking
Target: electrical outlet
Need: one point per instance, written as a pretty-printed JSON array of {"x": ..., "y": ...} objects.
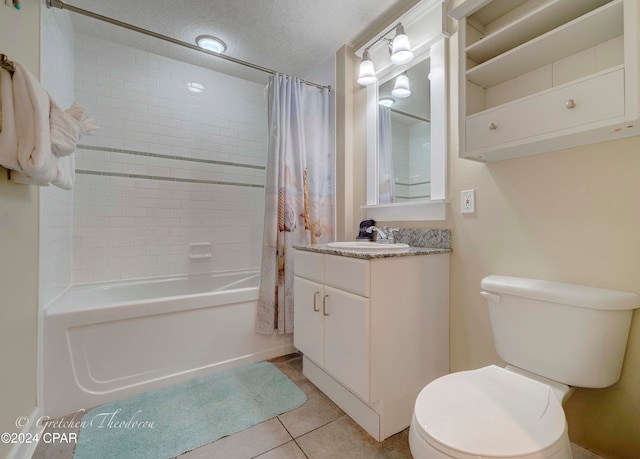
[{"x": 468, "y": 201}]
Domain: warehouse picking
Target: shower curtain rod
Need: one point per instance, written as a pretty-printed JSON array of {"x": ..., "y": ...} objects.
[
  {"x": 419, "y": 118},
  {"x": 64, "y": 6}
]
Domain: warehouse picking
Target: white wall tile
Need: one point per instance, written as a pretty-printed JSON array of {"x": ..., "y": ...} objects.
[{"x": 127, "y": 227}]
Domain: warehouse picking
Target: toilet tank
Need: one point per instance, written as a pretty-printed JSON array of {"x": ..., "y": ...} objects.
[{"x": 573, "y": 334}]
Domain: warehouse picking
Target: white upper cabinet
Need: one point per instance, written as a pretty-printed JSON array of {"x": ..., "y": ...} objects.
[{"x": 542, "y": 75}]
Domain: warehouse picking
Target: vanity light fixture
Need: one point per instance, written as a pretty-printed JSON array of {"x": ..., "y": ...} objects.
[
  {"x": 400, "y": 48},
  {"x": 401, "y": 87},
  {"x": 367, "y": 73},
  {"x": 211, "y": 43},
  {"x": 387, "y": 101}
]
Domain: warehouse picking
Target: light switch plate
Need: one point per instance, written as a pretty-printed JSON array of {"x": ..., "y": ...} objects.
[{"x": 468, "y": 201}]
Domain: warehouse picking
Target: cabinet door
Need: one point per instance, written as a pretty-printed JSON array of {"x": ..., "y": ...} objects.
[
  {"x": 346, "y": 336},
  {"x": 308, "y": 321}
]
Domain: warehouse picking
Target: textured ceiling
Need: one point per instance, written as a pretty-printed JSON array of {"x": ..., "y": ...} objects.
[{"x": 290, "y": 36}]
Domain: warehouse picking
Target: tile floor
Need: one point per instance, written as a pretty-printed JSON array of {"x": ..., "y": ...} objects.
[{"x": 316, "y": 430}]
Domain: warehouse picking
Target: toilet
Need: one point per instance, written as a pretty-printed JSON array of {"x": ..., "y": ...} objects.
[{"x": 554, "y": 337}]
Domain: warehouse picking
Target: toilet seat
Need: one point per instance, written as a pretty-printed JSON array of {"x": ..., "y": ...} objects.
[{"x": 489, "y": 412}]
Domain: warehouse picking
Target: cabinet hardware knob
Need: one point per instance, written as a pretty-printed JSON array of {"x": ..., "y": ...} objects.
[
  {"x": 324, "y": 305},
  {"x": 315, "y": 302},
  {"x": 492, "y": 126},
  {"x": 570, "y": 104}
]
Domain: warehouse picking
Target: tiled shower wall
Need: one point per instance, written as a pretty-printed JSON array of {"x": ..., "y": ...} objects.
[
  {"x": 56, "y": 205},
  {"x": 179, "y": 159},
  {"x": 419, "y": 143},
  {"x": 411, "y": 166}
]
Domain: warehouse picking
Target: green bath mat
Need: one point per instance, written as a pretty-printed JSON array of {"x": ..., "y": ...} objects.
[{"x": 168, "y": 422}]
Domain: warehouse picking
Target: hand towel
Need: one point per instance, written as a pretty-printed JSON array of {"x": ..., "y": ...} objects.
[
  {"x": 8, "y": 139},
  {"x": 32, "y": 107}
]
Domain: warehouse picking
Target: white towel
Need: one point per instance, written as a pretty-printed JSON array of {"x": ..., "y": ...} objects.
[
  {"x": 67, "y": 127},
  {"x": 32, "y": 107},
  {"x": 39, "y": 137},
  {"x": 8, "y": 139},
  {"x": 66, "y": 172}
]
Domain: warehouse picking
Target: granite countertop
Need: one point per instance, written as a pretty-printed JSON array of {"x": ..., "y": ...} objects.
[
  {"x": 421, "y": 242},
  {"x": 324, "y": 248}
]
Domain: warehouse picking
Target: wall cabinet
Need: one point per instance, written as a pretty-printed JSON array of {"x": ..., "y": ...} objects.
[
  {"x": 541, "y": 75},
  {"x": 373, "y": 332}
]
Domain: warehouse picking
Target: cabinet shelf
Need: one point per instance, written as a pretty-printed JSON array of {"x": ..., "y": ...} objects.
[
  {"x": 587, "y": 31},
  {"x": 529, "y": 25},
  {"x": 543, "y": 75}
]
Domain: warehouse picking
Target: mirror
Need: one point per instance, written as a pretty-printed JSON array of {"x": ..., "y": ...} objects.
[
  {"x": 404, "y": 138},
  {"x": 407, "y": 154}
]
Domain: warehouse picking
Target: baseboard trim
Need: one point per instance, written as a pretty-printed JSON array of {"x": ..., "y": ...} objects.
[
  {"x": 578, "y": 452},
  {"x": 26, "y": 450}
]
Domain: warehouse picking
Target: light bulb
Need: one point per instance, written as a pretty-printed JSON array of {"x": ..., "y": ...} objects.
[
  {"x": 401, "y": 49},
  {"x": 367, "y": 73}
]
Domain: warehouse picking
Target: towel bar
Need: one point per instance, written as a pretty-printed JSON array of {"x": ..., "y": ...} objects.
[{"x": 6, "y": 64}]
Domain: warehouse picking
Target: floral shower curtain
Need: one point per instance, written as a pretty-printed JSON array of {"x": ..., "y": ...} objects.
[
  {"x": 386, "y": 174},
  {"x": 298, "y": 192}
]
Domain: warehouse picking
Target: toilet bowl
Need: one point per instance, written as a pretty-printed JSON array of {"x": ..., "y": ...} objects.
[
  {"x": 488, "y": 413},
  {"x": 552, "y": 335}
]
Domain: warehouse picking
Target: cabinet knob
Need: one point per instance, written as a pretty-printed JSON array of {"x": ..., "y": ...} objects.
[
  {"x": 324, "y": 305},
  {"x": 570, "y": 104},
  {"x": 492, "y": 126},
  {"x": 315, "y": 302}
]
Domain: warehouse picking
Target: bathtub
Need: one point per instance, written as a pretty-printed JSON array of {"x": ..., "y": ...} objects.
[{"x": 107, "y": 341}]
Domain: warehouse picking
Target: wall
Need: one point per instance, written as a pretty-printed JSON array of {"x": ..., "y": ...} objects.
[
  {"x": 56, "y": 205},
  {"x": 350, "y": 146},
  {"x": 400, "y": 140},
  {"x": 420, "y": 135},
  {"x": 167, "y": 168},
  {"x": 19, "y": 39},
  {"x": 569, "y": 216},
  {"x": 412, "y": 172}
]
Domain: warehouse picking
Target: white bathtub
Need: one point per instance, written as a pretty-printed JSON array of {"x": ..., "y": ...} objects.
[{"x": 107, "y": 341}]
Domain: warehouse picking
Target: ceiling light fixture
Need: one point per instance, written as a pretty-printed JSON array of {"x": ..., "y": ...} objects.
[
  {"x": 400, "y": 48},
  {"x": 401, "y": 87},
  {"x": 387, "y": 101},
  {"x": 367, "y": 73},
  {"x": 211, "y": 43},
  {"x": 194, "y": 87}
]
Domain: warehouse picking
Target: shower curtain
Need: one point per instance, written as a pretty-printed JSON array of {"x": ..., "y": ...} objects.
[
  {"x": 298, "y": 192},
  {"x": 386, "y": 175}
]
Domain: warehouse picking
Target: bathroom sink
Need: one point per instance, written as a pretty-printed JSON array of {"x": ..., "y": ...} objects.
[{"x": 368, "y": 246}]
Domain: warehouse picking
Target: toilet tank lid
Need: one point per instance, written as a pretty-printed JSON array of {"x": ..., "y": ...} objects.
[{"x": 558, "y": 292}]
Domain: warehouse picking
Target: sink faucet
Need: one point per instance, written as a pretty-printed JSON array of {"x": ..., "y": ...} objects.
[{"x": 384, "y": 234}]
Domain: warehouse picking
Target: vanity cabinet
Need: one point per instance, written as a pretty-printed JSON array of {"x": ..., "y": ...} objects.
[
  {"x": 541, "y": 75},
  {"x": 373, "y": 332}
]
